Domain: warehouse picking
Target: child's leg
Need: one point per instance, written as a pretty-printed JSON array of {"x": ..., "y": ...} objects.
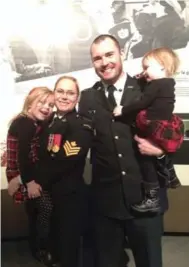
[
  {"x": 169, "y": 136},
  {"x": 166, "y": 172},
  {"x": 166, "y": 134},
  {"x": 151, "y": 200},
  {"x": 39, "y": 212},
  {"x": 45, "y": 228},
  {"x": 30, "y": 207},
  {"x": 44, "y": 213},
  {"x": 150, "y": 179}
]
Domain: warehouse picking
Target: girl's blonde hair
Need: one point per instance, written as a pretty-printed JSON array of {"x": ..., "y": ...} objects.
[
  {"x": 166, "y": 57},
  {"x": 36, "y": 92}
]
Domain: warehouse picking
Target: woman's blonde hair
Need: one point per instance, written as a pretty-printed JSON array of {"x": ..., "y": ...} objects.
[
  {"x": 66, "y": 77},
  {"x": 36, "y": 92},
  {"x": 166, "y": 57}
]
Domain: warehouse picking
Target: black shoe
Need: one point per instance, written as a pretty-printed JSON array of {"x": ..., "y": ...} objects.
[
  {"x": 49, "y": 260},
  {"x": 150, "y": 204},
  {"x": 39, "y": 255},
  {"x": 174, "y": 183}
]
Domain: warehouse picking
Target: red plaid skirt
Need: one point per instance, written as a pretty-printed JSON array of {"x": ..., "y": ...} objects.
[{"x": 168, "y": 135}]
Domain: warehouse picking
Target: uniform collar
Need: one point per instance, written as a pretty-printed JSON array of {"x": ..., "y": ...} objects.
[
  {"x": 119, "y": 84},
  {"x": 56, "y": 115}
]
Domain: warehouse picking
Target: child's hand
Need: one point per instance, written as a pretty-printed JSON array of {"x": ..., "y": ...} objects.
[
  {"x": 140, "y": 75},
  {"x": 117, "y": 111},
  {"x": 13, "y": 186}
]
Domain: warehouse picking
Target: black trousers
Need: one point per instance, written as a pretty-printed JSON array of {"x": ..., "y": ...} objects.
[
  {"x": 144, "y": 238},
  {"x": 87, "y": 257},
  {"x": 69, "y": 216}
]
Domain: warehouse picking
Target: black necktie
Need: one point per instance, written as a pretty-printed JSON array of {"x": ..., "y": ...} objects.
[{"x": 111, "y": 98}]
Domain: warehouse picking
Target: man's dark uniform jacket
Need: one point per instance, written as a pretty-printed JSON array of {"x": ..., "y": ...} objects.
[{"x": 116, "y": 171}]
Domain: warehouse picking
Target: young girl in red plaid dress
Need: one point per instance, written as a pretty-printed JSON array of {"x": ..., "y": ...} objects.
[
  {"x": 22, "y": 145},
  {"x": 155, "y": 119}
]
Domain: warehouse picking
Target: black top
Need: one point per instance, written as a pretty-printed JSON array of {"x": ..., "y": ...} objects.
[
  {"x": 158, "y": 98},
  {"x": 21, "y": 148}
]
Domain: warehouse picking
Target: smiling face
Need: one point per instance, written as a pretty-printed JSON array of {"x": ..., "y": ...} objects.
[
  {"x": 66, "y": 95},
  {"x": 153, "y": 69},
  {"x": 160, "y": 63},
  {"x": 41, "y": 108},
  {"x": 107, "y": 60}
]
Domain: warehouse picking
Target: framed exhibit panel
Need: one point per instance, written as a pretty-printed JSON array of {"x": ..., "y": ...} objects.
[{"x": 182, "y": 155}]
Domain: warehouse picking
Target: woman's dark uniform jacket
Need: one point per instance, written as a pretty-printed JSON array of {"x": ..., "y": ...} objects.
[
  {"x": 64, "y": 144},
  {"x": 116, "y": 172}
]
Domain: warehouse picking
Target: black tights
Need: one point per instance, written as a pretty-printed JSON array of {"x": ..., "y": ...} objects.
[{"x": 39, "y": 213}]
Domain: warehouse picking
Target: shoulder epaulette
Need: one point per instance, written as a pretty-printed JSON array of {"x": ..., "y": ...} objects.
[
  {"x": 98, "y": 85},
  {"x": 86, "y": 90}
]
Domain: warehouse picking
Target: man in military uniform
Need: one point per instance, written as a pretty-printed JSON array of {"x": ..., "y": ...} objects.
[
  {"x": 115, "y": 158},
  {"x": 63, "y": 149}
]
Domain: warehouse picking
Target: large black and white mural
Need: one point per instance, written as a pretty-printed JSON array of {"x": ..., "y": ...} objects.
[
  {"x": 53, "y": 37},
  {"x": 43, "y": 39}
]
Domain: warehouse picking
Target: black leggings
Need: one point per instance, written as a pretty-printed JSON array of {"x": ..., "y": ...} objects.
[{"x": 39, "y": 213}]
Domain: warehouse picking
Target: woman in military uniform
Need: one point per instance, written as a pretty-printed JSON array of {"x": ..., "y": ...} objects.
[{"x": 63, "y": 149}]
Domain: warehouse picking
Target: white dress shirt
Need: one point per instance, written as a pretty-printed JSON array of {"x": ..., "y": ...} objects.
[{"x": 119, "y": 85}]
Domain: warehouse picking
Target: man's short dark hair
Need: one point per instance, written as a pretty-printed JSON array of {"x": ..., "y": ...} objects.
[{"x": 103, "y": 37}]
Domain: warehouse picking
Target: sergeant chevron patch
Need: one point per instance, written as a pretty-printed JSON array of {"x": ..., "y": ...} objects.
[{"x": 71, "y": 148}]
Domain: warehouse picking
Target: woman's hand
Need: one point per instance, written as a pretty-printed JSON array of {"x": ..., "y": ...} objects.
[
  {"x": 146, "y": 147},
  {"x": 13, "y": 186},
  {"x": 34, "y": 189}
]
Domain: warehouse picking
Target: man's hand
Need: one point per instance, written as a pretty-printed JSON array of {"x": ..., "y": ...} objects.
[
  {"x": 117, "y": 111},
  {"x": 146, "y": 147},
  {"x": 34, "y": 189}
]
